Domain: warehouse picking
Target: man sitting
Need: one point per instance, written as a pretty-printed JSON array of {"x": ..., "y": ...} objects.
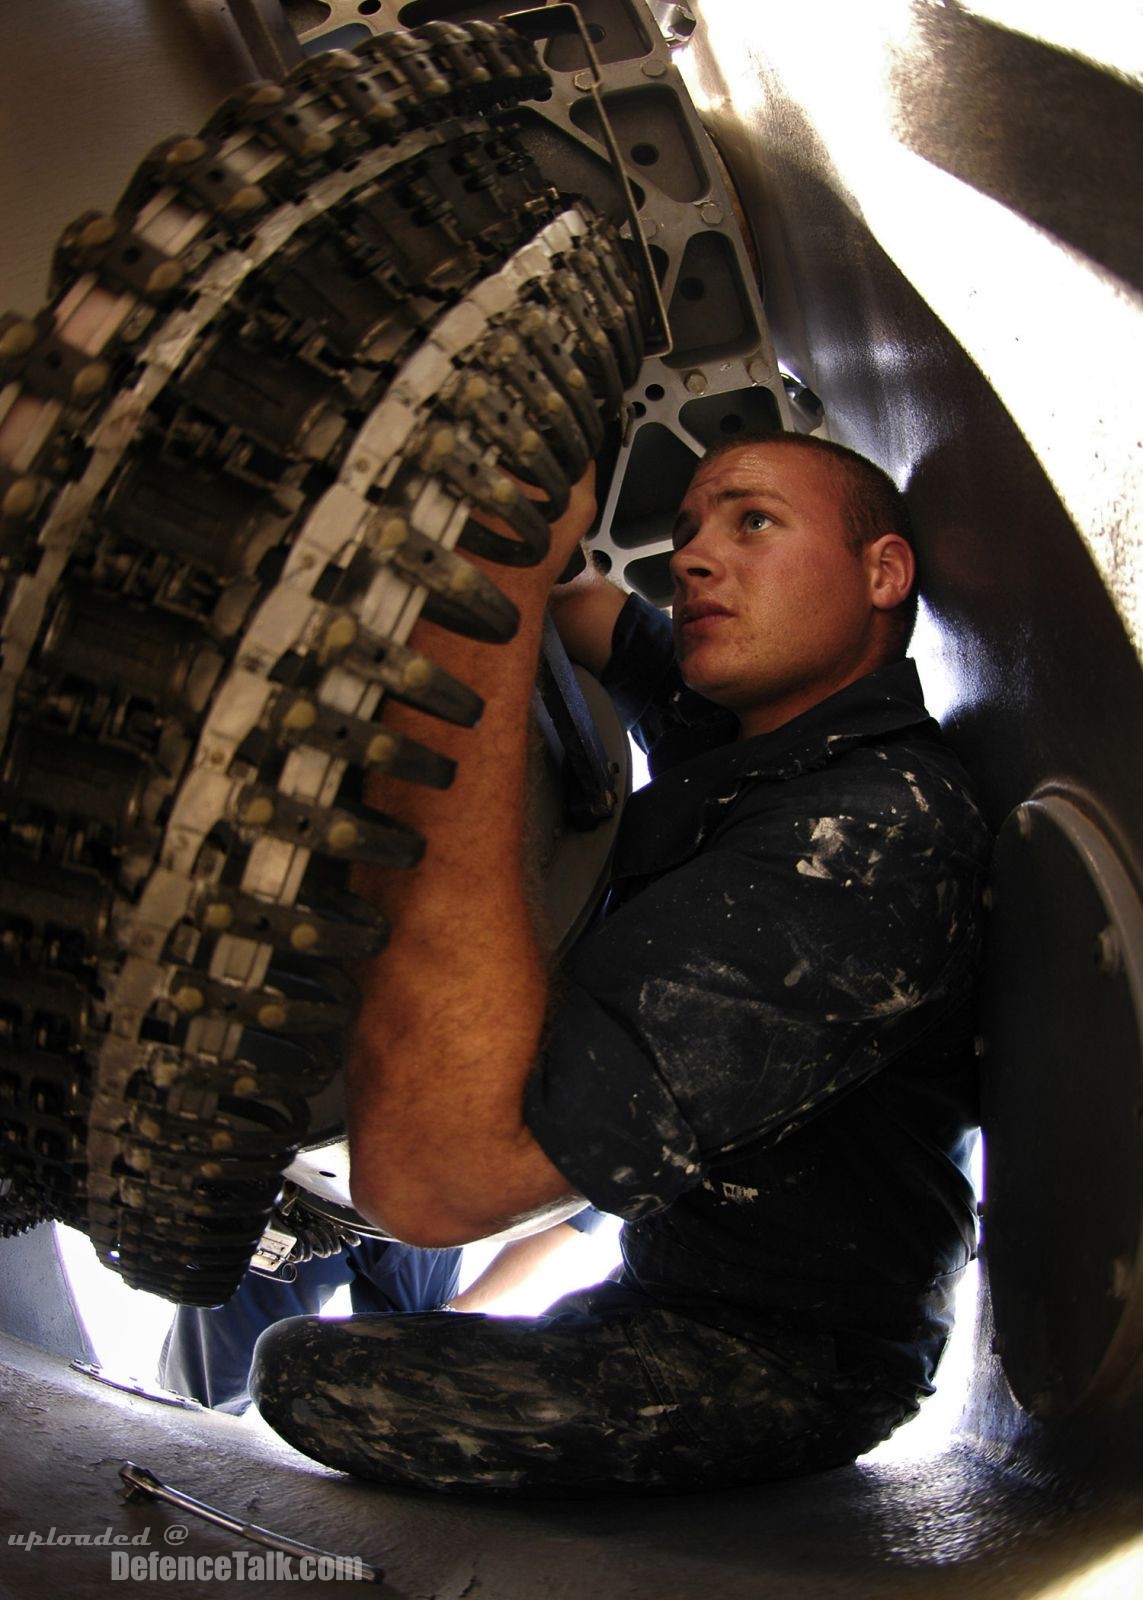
[{"x": 760, "y": 1057}]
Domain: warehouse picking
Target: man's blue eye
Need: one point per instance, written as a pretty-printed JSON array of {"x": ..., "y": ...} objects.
[{"x": 756, "y": 521}]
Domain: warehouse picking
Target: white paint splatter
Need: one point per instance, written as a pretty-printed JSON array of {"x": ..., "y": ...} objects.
[
  {"x": 911, "y": 779},
  {"x": 827, "y": 837}
]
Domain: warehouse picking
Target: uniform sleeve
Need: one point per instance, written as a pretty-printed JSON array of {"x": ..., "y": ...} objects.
[
  {"x": 668, "y": 721},
  {"x": 639, "y": 675},
  {"x": 735, "y": 995},
  {"x": 589, "y": 1220}
]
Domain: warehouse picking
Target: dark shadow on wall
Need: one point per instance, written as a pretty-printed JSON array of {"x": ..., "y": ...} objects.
[{"x": 1042, "y": 154}]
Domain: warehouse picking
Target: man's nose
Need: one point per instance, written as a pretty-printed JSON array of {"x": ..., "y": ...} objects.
[{"x": 698, "y": 558}]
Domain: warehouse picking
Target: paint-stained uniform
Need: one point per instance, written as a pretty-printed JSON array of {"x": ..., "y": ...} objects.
[
  {"x": 761, "y": 1057},
  {"x": 763, "y": 1054}
]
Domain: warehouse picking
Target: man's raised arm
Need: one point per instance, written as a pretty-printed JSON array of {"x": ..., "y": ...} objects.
[
  {"x": 454, "y": 1009},
  {"x": 584, "y": 612}
]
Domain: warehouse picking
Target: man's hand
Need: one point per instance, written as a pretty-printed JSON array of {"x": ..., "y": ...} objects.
[{"x": 453, "y": 1010}]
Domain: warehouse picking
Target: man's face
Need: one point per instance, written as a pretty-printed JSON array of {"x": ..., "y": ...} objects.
[{"x": 773, "y": 609}]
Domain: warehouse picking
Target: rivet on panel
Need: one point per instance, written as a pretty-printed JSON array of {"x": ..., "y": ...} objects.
[
  {"x": 1108, "y": 952},
  {"x": 248, "y": 198},
  {"x": 168, "y": 275},
  {"x": 394, "y": 532},
  {"x": 100, "y": 230},
  {"x": 89, "y": 380},
  {"x": 342, "y": 835},
  {"x": 20, "y": 498},
  {"x": 341, "y": 633},
  {"x": 18, "y": 340},
  {"x": 300, "y": 717},
  {"x": 380, "y": 750},
  {"x": 259, "y": 811},
  {"x": 184, "y": 152}
]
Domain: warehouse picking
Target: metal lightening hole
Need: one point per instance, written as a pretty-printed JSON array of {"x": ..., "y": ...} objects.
[
  {"x": 692, "y": 288},
  {"x": 644, "y": 155}
]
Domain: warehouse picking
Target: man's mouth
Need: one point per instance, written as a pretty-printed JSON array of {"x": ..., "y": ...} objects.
[{"x": 695, "y": 616}]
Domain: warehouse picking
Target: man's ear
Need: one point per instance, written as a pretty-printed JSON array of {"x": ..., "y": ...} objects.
[{"x": 891, "y": 567}]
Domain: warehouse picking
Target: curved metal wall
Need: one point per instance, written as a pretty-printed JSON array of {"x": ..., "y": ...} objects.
[{"x": 948, "y": 216}]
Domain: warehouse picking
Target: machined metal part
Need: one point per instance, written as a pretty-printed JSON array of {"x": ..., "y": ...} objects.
[
  {"x": 721, "y": 375},
  {"x": 142, "y": 1484},
  {"x": 227, "y": 491},
  {"x": 590, "y": 787},
  {"x": 129, "y": 1385}
]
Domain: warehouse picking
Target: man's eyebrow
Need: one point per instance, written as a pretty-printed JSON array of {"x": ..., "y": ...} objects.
[
  {"x": 758, "y": 491},
  {"x": 686, "y": 523}
]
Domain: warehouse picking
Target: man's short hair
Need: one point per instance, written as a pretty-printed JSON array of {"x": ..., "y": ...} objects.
[{"x": 872, "y": 505}]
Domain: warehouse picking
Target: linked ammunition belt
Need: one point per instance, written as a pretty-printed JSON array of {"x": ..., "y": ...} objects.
[{"x": 239, "y": 451}]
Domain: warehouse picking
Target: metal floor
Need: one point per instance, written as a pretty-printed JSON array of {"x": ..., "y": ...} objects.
[{"x": 951, "y": 1525}]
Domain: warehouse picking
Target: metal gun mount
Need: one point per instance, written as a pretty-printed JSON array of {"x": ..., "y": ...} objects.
[{"x": 239, "y": 449}]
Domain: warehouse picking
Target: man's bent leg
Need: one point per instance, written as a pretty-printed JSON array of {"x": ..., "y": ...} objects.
[{"x": 584, "y": 1401}]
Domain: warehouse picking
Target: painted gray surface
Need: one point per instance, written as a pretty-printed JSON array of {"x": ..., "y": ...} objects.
[
  {"x": 36, "y": 1302},
  {"x": 955, "y": 1526},
  {"x": 1028, "y": 531},
  {"x": 86, "y": 91}
]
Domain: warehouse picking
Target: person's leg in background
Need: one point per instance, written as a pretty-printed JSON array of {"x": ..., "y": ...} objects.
[{"x": 207, "y": 1354}]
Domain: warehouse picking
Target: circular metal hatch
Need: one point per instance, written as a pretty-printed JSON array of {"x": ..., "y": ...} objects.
[{"x": 1062, "y": 1107}]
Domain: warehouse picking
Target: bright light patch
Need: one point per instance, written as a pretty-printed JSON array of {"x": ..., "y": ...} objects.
[{"x": 1059, "y": 339}]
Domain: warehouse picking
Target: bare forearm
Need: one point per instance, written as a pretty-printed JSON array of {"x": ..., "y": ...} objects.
[
  {"x": 513, "y": 1266},
  {"x": 454, "y": 1009}
]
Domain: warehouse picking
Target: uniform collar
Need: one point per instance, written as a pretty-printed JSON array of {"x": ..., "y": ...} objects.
[{"x": 666, "y": 822}]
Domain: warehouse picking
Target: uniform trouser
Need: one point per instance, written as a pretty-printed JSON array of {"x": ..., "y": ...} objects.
[{"x": 598, "y": 1396}]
